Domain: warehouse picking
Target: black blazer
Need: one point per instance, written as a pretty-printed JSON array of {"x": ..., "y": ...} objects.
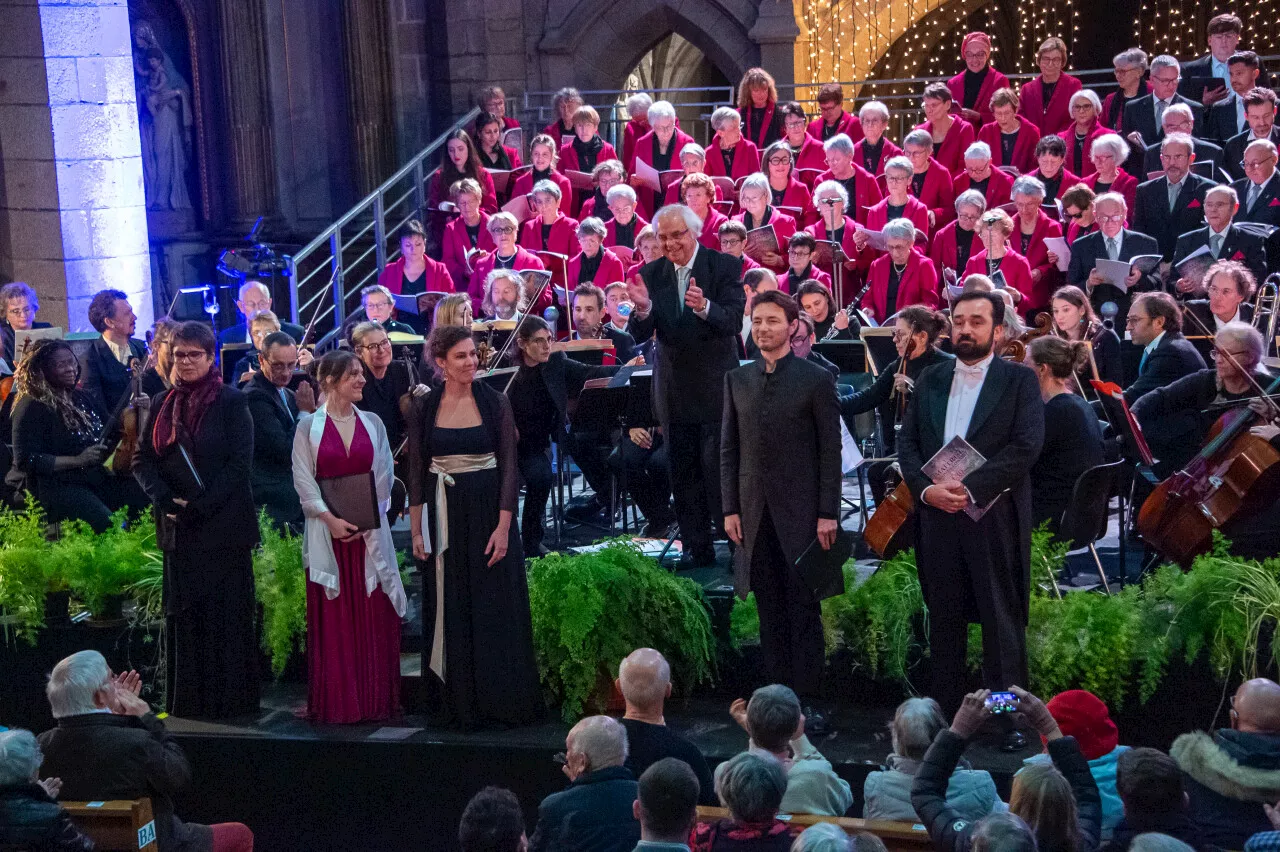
[
  {"x": 103, "y": 377},
  {"x": 1007, "y": 427},
  {"x": 564, "y": 378},
  {"x": 624, "y": 345},
  {"x": 1140, "y": 115},
  {"x": 1204, "y": 151},
  {"x": 1173, "y": 421},
  {"x": 779, "y": 452},
  {"x": 1174, "y": 358},
  {"x": 1266, "y": 210},
  {"x": 39, "y": 437},
  {"x": 1151, "y": 210},
  {"x": 102, "y": 756},
  {"x": 238, "y": 333},
  {"x": 1220, "y": 121},
  {"x": 880, "y": 394},
  {"x": 222, "y": 451},
  {"x": 274, "y": 424},
  {"x": 7, "y": 337},
  {"x": 1197, "y": 72},
  {"x": 693, "y": 354},
  {"x": 1239, "y": 245},
  {"x": 593, "y": 813},
  {"x": 1086, "y": 251},
  {"x": 1233, "y": 153}
]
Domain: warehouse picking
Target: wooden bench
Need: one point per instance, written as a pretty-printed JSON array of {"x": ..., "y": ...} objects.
[
  {"x": 897, "y": 836},
  {"x": 120, "y": 826}
]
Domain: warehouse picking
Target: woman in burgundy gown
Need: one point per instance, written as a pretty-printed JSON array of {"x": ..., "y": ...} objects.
[
  {"x": 355, "y": 598},
  {"x": 463, "y": 478}
]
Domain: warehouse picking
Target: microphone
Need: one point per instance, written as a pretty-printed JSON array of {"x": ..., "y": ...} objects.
[
  {"x": 624, "y": 310},
  {"x": 551, "y": 315},
  {"x": 1109, "y": 310}
]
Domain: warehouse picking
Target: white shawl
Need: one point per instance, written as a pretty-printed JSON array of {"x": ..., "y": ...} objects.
[{"x": 380, "y": 565}]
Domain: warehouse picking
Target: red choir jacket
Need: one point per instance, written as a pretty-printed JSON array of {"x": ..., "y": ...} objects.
[
  {"x": 799, "y": 196},
  {"x": 998, "y": 187},
  {"x": 915, "y": 210},
  {"x": 868, "y": 191},
  {"x": 711, "y": 229},
  {"x": 1014, "y": 268},
  {"x": 609, "y": 272},
  {"x": 438, "y": 279},
  {"x": 563, "y": 240},
  {"x": 524, "y": 186},
  {"x": 857, "y": 261},
  {"x": 634, "y": 129},
  {"x": 524, "y": 260},
  {"x": 958, "y": 139},
  {"x": 887, "y": 153},
  {"x": 846, "y": 124},
  {"x": 783, "y": 227},
  {"x": 812, "y": 156},
  {"x": 919, "y": 285},
  {"x": 611, "y": 229},
  {"x": 994, "y": 80},
  {"x": 644, "y": 151},
  {"x": 1055, "y": 116},
  {"x": 942, "y": 248},
  {"x": 1068, "y": 136},
  {"x": 1037, "y": 257},
  {"x": 1024, "y": 150},
  {"x": 746, "y": 159},
  {"x": 786, "y": 285},
  {"x": 673, "y": 192},
  {"x": 1125, "y": 184},
  {"x": 456, "y": 245},
  {"x": 488, "y": 196},
  {"x": 937, "y": 194},
  {"x": 569, "y": 157},
  {"x": 770, "y": 128},
  {"x": 1068, "y": 180}
]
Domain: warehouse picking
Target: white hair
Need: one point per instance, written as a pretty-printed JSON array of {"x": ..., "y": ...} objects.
[
  {"x": 695, "y": 149},
  {"x": 638, "y": 103},
  {"x": 644, "y": 680},
  {"x": 1241, "y": 335},
  {"x": 899, "y": 229},
  {"x": 978, "y": 151},
  {"x": 723, "y": 114},
  {"x": 840, "y": 142},
  {"x": 1132, "y": 58},
  {"x": 1178, "y": 110},
  {"x": 1090, "y": 96},
  {"x": 620, "y": 190},
  {"x": 900, "y": 163},
  {"x": 755, "y": 181},
  {"x": 73, "y": 683},
  {"x": 1028, "y": 185},
  {"x": 918, "y": 137},
  {"x": 915, "y": 723},
  {"x": 873, "y": 108},
  {"x": 1263, "y": 143},
  {"x": 549, "y": 187},
  {"x": 20, "y": 757},
  {"x": 972, "y": 198},
  {"x": 1164, "y": 60},
  {"x": 659, "y": 110},
  {"x": 829, "y": 184},
  {"x": 691, "y": 220},
  {"x": 1114, "y": 144},
  {"x": 592, "y": 225},
  {"x": 1178, "y": 139},
  {"x": 822, "y": 837},
  {"x": 364, "y": 297},
  {"x": 602, "y": 739},
  {"x": 502, "y": 217},
  {"x": 254, "y": 285},
  {"x": 1113, "y": 198}
]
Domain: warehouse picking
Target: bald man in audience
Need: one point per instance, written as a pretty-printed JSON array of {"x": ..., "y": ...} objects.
[
  {"x": 644, "y": 679},
  {"x": 1233, "y": 772}
]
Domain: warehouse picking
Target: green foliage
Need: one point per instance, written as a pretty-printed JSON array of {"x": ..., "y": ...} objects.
[
  {"x": 96, "y": 566},
  {"x": 592, "y": 609},
  {"x": 877, "y": 620},
  {"x": 280, "y": 585},
  {"x": 24, "y": 580},
  {"x": 744, "y": 621}
]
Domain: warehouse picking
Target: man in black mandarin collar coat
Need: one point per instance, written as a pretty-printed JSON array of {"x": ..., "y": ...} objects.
[
  {"x": 697, "y": 345},
  {"x": 975, "y": 571}
]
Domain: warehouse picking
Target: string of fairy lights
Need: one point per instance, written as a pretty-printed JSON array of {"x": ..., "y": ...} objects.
[{"x": 1177, "y": 27}]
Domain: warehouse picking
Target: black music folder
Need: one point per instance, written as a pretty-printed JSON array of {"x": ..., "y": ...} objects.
[
  {"x": 353, "y": 498},
  {"x": 180, "y": 474},
  {"x": 822, "y": 571}
]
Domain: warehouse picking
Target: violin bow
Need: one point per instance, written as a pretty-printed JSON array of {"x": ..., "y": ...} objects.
[{"x": 1222, "y": 353}]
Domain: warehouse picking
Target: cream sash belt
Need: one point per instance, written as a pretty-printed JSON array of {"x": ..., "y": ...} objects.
[{"x": 446, "y": 468}]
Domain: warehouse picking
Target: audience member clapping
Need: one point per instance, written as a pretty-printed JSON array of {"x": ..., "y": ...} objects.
[
  {"x": 1231, "y": 773},
  {"x": 1060, "y": 802},
  {"x": 751, "y": 786},
  {"x": 596, "y": 813},
  {"x": 644, "y": 679},
  {"x": 971, "y": 793},
  {"x": 109, "y": 745},
  {"x": 775, "y": 723},
  {"x": 492, "y": 822},
  {"x": 30, "y": 818},
  {"x": 666, "y": 806}
]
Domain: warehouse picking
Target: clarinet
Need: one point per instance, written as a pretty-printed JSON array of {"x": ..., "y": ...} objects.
[{"x": 848, "y": 311}]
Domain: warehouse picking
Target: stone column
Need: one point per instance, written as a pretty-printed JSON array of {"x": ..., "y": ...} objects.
[
  {"x": 251, "y": 166},
  {"x": 73, "y": 212},
  {"x": 365, "y": 48},
  {"x": 776, "y": 32}
]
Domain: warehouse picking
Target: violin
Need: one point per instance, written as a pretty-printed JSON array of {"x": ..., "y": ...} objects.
[
  {"x": 1235, "y": 474},
  {"x": 128, "y": 418}
]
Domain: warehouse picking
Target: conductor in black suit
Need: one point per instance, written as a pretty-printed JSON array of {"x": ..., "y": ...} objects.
[
  {"x": 693, "y": 299},
  {"x": 975, "y": 570},
  {"x": 1169, "y": 206},
  {"x": 780, "y": 478},
  {"x": 105, "y": 368},
  {"x": 275, "y": 410}
]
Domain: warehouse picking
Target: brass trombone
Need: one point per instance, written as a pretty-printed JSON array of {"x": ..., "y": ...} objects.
[{"x": 1265, "y": 309}]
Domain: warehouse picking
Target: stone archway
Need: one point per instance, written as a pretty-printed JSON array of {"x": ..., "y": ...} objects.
[{"x": 597, "y": 45}]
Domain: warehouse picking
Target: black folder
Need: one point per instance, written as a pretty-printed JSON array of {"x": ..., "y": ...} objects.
[
  {"x": 180, "y": 474},
  {"x": 353, "y": 498},
  {"x": 822, "y": 571}
]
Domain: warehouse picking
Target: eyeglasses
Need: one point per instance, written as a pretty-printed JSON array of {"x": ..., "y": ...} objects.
[
  {"x": 1073, "y": 215},
  {"x": 189, "y": 354},
  {"x": 1168, "y": 81},
  {"x": 503, "y": 230},
  {"x": 1115, "y": 217},
  {"x": 377, "y": 347},
  {"x": 25, "y": 311},
  {"x": 780, "y": 161},
  {"x": 1223, "y": 354},
  {"x": 378, "y": 305},
  {"x": 675, "y": 235}
]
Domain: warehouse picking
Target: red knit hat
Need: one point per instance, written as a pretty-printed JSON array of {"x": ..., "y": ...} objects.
[
  {"x": 1082, "y": 715},
  {"x": 975, "y": 36}
]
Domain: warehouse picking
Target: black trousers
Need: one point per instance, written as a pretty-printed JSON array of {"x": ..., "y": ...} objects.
[
  {"x": 693, "y": 456},
  {"x": 590, "y": 449},
  {"x": 91, "y": 504},
  {"x": 972, "y": 571},
  {"x": 647, "y": 477},
  {"x": 535, "y": 470},
  {"x": 790, "y": 616}
]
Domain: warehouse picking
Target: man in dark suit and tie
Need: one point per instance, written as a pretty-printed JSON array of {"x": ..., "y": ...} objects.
[
  {"x": 1155, "y": 324},
  {"x": 1260, "y": 118},
  {"x": 274, "y": 409},
  {"x": 1226, "y": 117},
  {"x": 1223, "y": 239},
  {"x": 1169, "y": 206},
  {"x": 693, "y": 299},
  {"x": 1112, "y": 241},
  {"x": 104, "y": 370},
  {"x": 1206, "y": 78},
  {"x": 1259, "y": 192},
  {"x": 1178, "y": 119},
  {"x": 974, "y": 570},
  {"x": 1144, "y": 116},
  {"x": 254, "y": 299},
  {"x": 780, "y": 480}
]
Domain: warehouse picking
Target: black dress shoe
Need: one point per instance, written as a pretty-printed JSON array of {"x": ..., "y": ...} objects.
[
  {"x": 698, "y": 559},
  {"x": 656, "y": 529},
  {"x": 1013, "y": 741},
  {"x": 815, "y": 722}
]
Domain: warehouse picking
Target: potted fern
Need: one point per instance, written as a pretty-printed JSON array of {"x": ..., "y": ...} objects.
[
  {"x": 101, "y": 568},
  {"x": 280, "y": 585},
  {"x": 32, "y": 593}
]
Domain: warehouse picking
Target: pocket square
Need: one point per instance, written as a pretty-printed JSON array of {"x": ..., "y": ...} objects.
[
  {"x": 1238, "y": 256},
  {"x": 1195, "y": 204},
  {"x": 1275, "y": 202}
]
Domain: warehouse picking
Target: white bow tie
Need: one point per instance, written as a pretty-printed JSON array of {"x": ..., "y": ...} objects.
[{"x": 974, "y": 371}]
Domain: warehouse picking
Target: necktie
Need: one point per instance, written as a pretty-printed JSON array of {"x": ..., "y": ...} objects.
[
  {"x": 1142, "y": 365},
  {"x": 682, "y": 284},
  {"x": 1174, "y": 189},
  {"x": 284, "y": 400},
  {"x": 1215, "y": 245},
  {"x": 1160, "y": 108},
  {"x": 1113, "y": 250},
  {"x": 1254, "y": 192}
]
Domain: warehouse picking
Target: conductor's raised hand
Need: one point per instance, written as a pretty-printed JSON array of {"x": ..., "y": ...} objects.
[
  {"x": 638, "y": 293},
  {"x": 693, "y": 297},
  {"x": 733, "y": 528}
]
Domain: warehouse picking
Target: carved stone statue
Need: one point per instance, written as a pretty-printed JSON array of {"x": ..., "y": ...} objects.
[{"x": 165, "y": 122}]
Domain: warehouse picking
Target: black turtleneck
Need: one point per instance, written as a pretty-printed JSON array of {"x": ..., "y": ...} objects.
[
  {"x": 590, "y": 266},
  {"x": 588, "y": 152},
  {"x": 972, "y": 85},
  {"x": 625, "y": 235},
  {"x": 871, "y": 155}
]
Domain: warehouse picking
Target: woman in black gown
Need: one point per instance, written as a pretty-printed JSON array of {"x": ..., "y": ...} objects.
[
  {"x": 206, "y": 529},
  {"x": 463, "y": 478}
]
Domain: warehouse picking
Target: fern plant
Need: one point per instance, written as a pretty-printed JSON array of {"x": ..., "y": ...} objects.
[
  {"x": 591, "y": 609},
  {"x": 24, "y": 575},
  {"x": 96, "y": 566},
  {"x": 280, "y": 585}
]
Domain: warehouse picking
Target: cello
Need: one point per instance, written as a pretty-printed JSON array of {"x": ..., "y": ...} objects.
[{"x": 1235, "y": 474}]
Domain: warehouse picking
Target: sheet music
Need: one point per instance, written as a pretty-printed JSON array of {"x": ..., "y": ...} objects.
[
  {"x": 956, "y": 460},
  {"x": 648, "y": 174},
  {"x": 1058, "y": 245}
]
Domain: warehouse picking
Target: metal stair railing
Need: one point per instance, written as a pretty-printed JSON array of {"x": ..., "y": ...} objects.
[{"x": 353, "y": 250}]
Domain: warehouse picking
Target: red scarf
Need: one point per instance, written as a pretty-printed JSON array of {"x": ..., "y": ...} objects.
[{"x": 184, "y": 407}]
